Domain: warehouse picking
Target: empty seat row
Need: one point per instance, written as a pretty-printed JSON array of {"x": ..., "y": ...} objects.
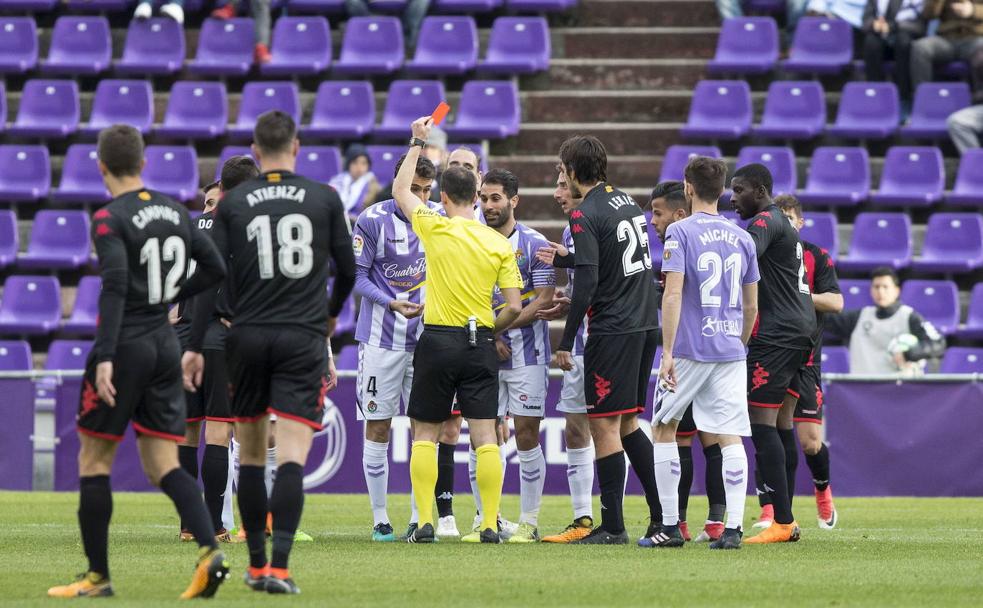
[
  {"x": 301, "y": 46},
  {"x": 59, "y": 240},
  {"x": 913, "y": 176},
  {"x": 31, "y": 305},
  {"x": 796, "y": 110},
  {"x": 956, "y": 360},
  {"x": 15, "y": 355},
  {"x": 199, "y": 110},
  {"x": 304, "y": 6}
]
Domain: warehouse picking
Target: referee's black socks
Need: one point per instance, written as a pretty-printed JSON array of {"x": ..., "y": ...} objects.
[
  {"x": 444, "y": 493},
  {"x": 184, "y": 493},
  {"x": 95, "y": 511},
  {"x": 252, "y": 510},
  {"x": 611, "y": 473},
  {"x": 286, "y": 505},
  {"x": 770, "y": 458},
  {"x": 638, "y": 447}
]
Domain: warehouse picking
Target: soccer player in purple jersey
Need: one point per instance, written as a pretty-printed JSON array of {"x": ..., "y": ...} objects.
[
  {"x": 708, "y": 310},
  {"x": 524, "y": 348}
]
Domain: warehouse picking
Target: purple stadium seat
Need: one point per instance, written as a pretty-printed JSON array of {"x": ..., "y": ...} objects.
[
  {"x": 953, "y": 243},
  {"x": 31, "y": 305},
  {"x": 18, "y": 45},
  {"x": 408, "y": 100},
  {"x": 879, "y": 239},
  {"x": 25, "y": 173},
  {"x": 33, "y": 6},
  {"x": 934, "y": 102},
  {"x": 346, "y": 320},
  {"x": 793, "y": 110},
  {"x": 172, "y": 170},
  {"x": 867, "y": 110},
  {"x": 936, "y": 301},
  {"x": 721, "y": 109},
  {"x": 372, "y": 45},
  {"x": 820, "y": 46},
  {"x": 348, "y": 358},
  {"x": 128, "y": 102},
  {"x": 973, "y": 328},
  {"x": 9, "y": 237},
  {"x": 98, "y": 6},
  {"x": 465, "y": 7},
  {"x": 3, "y": 106},
  {"x": 230, "y": 151},
  {"x": 85, "y": 313},
  {"x": 67, "y": 354},
  {"x": 301, "y": 46},
  {"x": 384, "y": 160},
  {"x": 968, "y": 189},
  {"x": 913, "y": 176},
  {"x": 835, "y": 360},
  {"x": 820, "y": 229},
  {"x": 856, "y": 293},
  {"x": 780, "y": 161},
  {"x": 15, "y": 356},
  {"x": 260, "y": 97},
  {"x": 316, "y": 7},
  {"x": 225, "y": 47},
  {"x": 319, "y": 163},
  {"x": 746, "y": 45},
  {"x": 153, "y": 46},
  {"x": 446, "y": 46},
  {"x": 962, "y": 360},
  {"x": 81, "y": 181},
  {"x": 79, "y": 45},
  {"x": 538, "y": 6},
  {"x": 48, "y": 108},
  {"x": 489, "y": 109},
  {"x": 59, "y": 239},
  {"x": 517, "y": 45},
  {"x": 342, "y": 109},
  {"x": 676, "y": 158},
  {"x": 195, "y": 110},
  {"x": 837, "y": 176}
]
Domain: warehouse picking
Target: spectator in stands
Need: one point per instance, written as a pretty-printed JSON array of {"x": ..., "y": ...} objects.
[
  {"x": 959, "y": 37},
  {"x": 356, "y": 185},
  {"x": 173, "y": 9},
  {"x": 888, "y": 337},
  {"x": 260, "y": 10},
  {"x": 412, "y": 17},
  {"x": 851, "y": 11},
  {"x": 890, "y": 27},
  {"x": 966, "y": 127}
]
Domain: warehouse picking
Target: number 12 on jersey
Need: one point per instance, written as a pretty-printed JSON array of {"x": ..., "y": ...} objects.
[
  {"x": 159, "y": 288},
  {"x": 294, "y": 235}
]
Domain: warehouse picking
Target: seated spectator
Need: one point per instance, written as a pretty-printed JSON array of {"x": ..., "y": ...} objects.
[
  {"x": 260, "y": 10},
  {"x": 356, "y": 185},
  {"x": 851, "y": 11},
  {"x": 412, "y": 17},
  {"x": 890, "y": 27},
  {"x": 959, "y": 36},
  {"x": 889, "y": 337},
  {"x": 966, "y": 127},
  {"x": 173, "y": 9}
]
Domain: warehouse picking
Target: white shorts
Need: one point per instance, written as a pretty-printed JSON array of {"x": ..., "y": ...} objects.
[
  {"x": 384, "y": 379},
  {"x": 522, "y": 391},
  {"x": 718, "y": 392},
  {"x": 572, "y": 400}
]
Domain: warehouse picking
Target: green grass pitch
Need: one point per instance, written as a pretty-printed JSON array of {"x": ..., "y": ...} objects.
[{"x": 887, "y": 552}]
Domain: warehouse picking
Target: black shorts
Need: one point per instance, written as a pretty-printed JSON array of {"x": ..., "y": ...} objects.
[
  {"x": 687, "y": 426},
  {"x": 617, "y": 368},
  {"x": 770, "y": 370},
  {"x": 211, "y": 401},
  {"x": 807, "y": 387},
  {"x": 445, "y": 364},
  {"x": 279, "y": 370},
  {"x": 149, "y": 390}
]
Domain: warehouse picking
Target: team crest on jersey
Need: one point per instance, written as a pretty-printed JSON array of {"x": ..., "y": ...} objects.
[
  {"x": 357, "y": 244},
  {"x": 666, "y": 254},
  {"x": 520, "y": 258},
  {"x": 372, "y": 407}
]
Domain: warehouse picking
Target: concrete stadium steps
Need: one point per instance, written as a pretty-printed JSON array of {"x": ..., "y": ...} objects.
[
  {"x": 636, "y": 13},
  {"x": 636, "y": 42},
  {"x": 618, "y": 74}
]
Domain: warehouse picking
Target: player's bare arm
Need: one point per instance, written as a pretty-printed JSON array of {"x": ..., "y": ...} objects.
[
  {"x": 558, "y": 307},
  {"x": 555, "y": 255},
  {"x": 513, "y": 307},
  {"x": 828, "y": 302},
  {"x": 672, "y": 301},
  {"x": 749, "y": 305},
  {"x": 402, "y": 193}
]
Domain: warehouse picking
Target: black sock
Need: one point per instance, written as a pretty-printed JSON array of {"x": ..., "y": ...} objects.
[
  {"x": 685, "y": 478},
  {"x": 716, "y": 495},
  {"x": 638, "y": 447},
  {"x": 251, "y": 495},
  {"x": 184, "y": 493},
  {"x": 791, "y": 459},
  {"x": 214, "y": 476},
  {"x": 187, "y": 457},
  {"x": 819, "y": 466},
  {"x": 764, "y": 496},
  {"x": 444, "y": 492},
  {"x": 770, "y": 459},
  {"x": 95, "y": 511},
  {"x": 286, "y": 504},
  {"x": 611, "y": 478}
]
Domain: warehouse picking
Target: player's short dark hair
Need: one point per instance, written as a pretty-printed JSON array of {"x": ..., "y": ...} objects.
[
  {"x": 237, "y": 170},
  {"x": 787, "y": 202},
  {"x": 424, "y": 167},
  {"x": 586, "y": 157},
  {"x": 886, "y": 271},
  {"x": 120, "y": 148},
  {"x": 708, "y": 176},
  {"x": 274, "y": 132},
  {"x": 215, "y": 184},
  {"x": 504, "y": 178},
  {"x": 671, "y": 191},
  {"x": 756, "y": 175},
  {"x": 459, "y": 184}
]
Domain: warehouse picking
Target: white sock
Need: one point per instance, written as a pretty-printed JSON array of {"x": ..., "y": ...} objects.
[
  {"x": 666, "y": 456},
  {"x": 228, "y": 518},
  {"x": 505, "y": 462},
  {"x": 235, "y": 461},
  {"x": 270, "y": 473},
  {"x": 375, "y": 465},
  {"x": 414, "y": 514},
  {"x": 473, "y": 476},
  {"x": 580, "y": 476},
  {"x": 734, "y": 464},
  {"x": 532, "y": 477}
]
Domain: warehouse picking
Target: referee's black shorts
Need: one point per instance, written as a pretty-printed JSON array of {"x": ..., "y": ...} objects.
[{"x": 445, "y": 364}]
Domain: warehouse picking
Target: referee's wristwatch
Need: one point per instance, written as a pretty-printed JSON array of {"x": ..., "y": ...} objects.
[{"x": 416, "y": 141}]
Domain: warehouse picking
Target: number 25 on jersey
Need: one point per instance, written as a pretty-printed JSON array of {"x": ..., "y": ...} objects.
[{"x": 635, "y": 237}]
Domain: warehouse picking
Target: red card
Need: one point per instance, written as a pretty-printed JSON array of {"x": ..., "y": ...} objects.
[{"x": 440, "y": 113}]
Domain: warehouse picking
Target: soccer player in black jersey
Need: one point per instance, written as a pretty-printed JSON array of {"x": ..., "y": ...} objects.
[
  {"x": 278, "y": 233},
  {"x": 144, "y": 241},
  {"x": 782, "y": 337},
  {"x": 616, "y": 290}
]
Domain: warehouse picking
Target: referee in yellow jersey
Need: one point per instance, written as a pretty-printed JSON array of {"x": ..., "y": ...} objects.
[{"x": 456, "y": 353}]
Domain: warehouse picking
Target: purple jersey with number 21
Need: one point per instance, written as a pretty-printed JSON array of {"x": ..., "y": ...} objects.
[{"x": 717, "y": 258}]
